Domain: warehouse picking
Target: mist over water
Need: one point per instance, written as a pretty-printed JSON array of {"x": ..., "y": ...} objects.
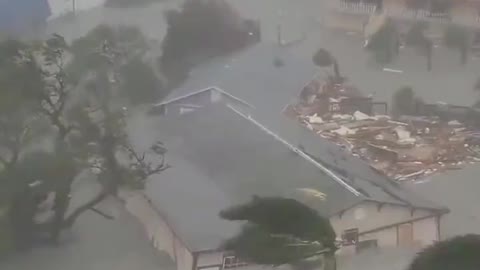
[{"x": 97, "y": 244}]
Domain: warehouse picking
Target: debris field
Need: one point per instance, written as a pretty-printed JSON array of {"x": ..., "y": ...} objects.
[{"x": 402, "y": 148}]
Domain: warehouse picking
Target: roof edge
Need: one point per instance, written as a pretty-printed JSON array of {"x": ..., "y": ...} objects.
[
  {"x": 210, "y": 88},
  {"x": 399, "y": 223},
  {"x": 440, "y": 210}
]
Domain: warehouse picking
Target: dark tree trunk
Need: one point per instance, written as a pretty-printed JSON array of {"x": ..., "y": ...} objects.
[
  {"x": 336, "y": 70},
  {"x": 114, "y": 175},
  {"x": 330, "y": 261},
  {"x": 429, "y": 53},
  {"x": 70, "y": 220},
  {"x": 62, "y": 201}
]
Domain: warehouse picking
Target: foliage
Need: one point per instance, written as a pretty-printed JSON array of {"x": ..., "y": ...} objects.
[
  {"x": 460, "y": 252},
  {"x": 324, "y": 58},
  {"x": 416, "y": 34},
  {"x": 258, "y": 245},
  {"x": 416, "y": 38},
  {"x": 6, "y": 235},
  {"x": 201, "y": 30},
  {"x": 129, "y": 3},
  {"x": 384, "y": 43},
  {"x": 403, "y": 100},
  {"x": 279, "y": 231},
  {"x": 78, "y": 109},
  {"x": 139, "y": 83},
  {"x": 457, "y": 37}
]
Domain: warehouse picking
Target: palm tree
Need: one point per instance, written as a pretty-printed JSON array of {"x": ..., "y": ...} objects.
[
  {"x": 324, "y": 58},
  {"x": 282, "y": 231},
  {"x": 457, "y": 37},
  {"x": 460, "y": 252}
]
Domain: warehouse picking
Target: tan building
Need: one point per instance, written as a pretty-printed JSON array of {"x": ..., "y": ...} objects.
[
  {"x": 222, "y": 156},
  {"x": 353, "y": 15}
]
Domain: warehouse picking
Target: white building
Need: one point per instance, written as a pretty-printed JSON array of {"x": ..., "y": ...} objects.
[
  {"x": 222, "y": 156},
  {"x": 62, "y": 7}
]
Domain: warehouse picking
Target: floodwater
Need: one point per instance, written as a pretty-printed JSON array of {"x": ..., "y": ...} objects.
[{"x": 99, "y": 244}]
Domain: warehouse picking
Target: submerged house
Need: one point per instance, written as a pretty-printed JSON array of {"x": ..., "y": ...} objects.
[{"x": 221, "y": 156}]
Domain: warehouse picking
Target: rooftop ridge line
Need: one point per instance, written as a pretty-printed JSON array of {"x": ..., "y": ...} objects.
[
  {"x": 210, "y": 88},
  {"x": 297, "y": 151}
]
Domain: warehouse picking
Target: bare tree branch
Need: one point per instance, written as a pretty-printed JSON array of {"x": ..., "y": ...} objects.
[
  {"x": 107, "y": 216},
  {"x": 102, "y": 195}
]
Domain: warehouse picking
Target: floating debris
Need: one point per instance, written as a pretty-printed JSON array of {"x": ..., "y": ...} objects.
[{"x": 404, "y": 148}]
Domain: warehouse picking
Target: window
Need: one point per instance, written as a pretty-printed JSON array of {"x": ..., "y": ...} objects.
[
  {"x": 230, "y": 262},
  {"x": 350, "y": 237}
]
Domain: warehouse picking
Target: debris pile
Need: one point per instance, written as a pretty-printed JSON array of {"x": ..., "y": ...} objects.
[{"x": 405, "y": 148}]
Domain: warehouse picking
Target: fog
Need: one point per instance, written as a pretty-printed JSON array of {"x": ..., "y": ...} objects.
[{"x": 121, "y": 244}]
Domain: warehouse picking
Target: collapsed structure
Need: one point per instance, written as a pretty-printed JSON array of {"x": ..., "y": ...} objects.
[{"x": 402, "y": 148}]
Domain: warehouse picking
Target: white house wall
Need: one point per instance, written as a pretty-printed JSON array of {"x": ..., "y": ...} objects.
[
  {"x": 385, "y": 238},
  {"x": 426, "y": 231},
  {"x": 209, "y": 259},
  {"x": 157, "y": 230},
  {"x": 368, "y": 216}
]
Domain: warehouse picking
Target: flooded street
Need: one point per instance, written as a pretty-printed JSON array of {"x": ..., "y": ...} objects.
[{"x": 99, "y": 244}]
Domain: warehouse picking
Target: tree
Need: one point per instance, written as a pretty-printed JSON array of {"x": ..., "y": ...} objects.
[
  {"x": 416, "y": 38},
  {"x": 102, "y": 118},
  {"x": 406, "y": 102},
  {"x": 324, "y": 58},
  {"x": 457, "y": 37},
  {"x": 281, "y": 231},
  {"x": 201, "y": 30},
  {"x": 460, "y": 252},
  {"x": 81, "y": 107},
  {"x": 384, "y": 43},
  {"x": 138, "y": 81}
]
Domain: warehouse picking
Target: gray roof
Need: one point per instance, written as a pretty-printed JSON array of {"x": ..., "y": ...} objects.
[
  {"x": 238, "y": 159},
  {"x": 222, "y": 158},
  {"x": 250, "y": 75},
  {"x": 356, "y": 172}
]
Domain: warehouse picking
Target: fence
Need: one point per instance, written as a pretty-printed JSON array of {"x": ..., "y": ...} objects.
[{"x": 358, "y": 7}]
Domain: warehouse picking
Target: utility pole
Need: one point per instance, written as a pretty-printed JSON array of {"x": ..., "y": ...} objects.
[{"x": 74, "y": 6}]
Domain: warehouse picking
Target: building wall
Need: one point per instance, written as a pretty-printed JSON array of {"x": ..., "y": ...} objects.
[
  {"x": 157, "y": 229},
  {"x": 209, "y": 259},
  {"x": 385, "y": 238},
  {"x": 369, "y": 216},
  {"x": 426, "y": 231}
]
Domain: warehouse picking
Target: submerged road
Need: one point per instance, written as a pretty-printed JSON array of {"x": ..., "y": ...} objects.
[{"x": 98, "y": 244}]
